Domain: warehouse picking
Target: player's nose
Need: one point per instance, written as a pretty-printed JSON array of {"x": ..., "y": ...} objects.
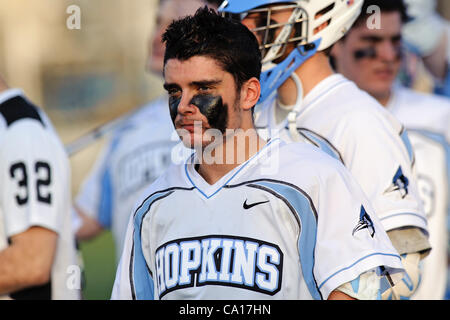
[
  {"x": 185, "y": 106},
  {"x": 387, "y": 51}
]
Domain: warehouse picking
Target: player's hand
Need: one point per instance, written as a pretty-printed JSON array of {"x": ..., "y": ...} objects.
[{"x": 406, "y": 287}]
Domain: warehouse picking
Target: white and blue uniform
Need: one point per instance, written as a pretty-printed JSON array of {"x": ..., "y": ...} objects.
[
  {"x": 134, "y": 157},
  {"x": 297, "y": 232},
  {"x": 35, "y": 191},
  {"x": 427, "y": 119},
  {"x": 351, "y": 126}
]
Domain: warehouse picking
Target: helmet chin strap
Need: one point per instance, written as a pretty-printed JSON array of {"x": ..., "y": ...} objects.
[
  {"x": 292, "y": 116},
  {"x": 274, "y": 75}
]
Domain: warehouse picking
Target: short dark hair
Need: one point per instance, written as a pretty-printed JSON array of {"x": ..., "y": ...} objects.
[
  {"x": 207, "y": 33},
  {"x": 216, "y": 3},
  {"x": 385, "y": 6}
]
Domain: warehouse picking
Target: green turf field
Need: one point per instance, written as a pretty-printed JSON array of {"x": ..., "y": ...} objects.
[{"x": 99, "y": 267}]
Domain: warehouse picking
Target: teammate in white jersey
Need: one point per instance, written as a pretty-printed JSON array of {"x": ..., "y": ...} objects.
[
  {"x": 302, "y": 93},
  {"x": 372, "y": 58},
  {"x": 138, "y": 152},
  {"x": 244, "y": 218},
  {"x": 37, "y": 245}
]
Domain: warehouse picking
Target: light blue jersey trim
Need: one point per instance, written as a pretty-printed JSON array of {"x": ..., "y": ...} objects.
[
  {"x": 231, "y": 178},
  {"x": 355, "y": 284},
  {"x": 308, "y": 229},
  {"x": 321, "y": 143},
  {"x": 404, "y": 214},
  {"x": 141, "y": 281},
  {"x": 407, "y": 143},
  {"x": 356, "y": 262}
]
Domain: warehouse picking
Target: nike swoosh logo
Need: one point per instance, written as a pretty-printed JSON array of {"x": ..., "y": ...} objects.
[{"x": 248, "y": 206}]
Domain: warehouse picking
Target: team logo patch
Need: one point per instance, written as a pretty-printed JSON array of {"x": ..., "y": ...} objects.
[
  {"x": 246, "y": 263},
  {"x": 399, "y": 183},
  {"x": 364, "y": 223}
]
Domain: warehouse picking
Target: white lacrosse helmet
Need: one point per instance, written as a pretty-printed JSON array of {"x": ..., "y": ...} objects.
[{"x": 318, "y": 24}]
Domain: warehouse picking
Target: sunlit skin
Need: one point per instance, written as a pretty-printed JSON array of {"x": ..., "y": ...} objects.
[
  {"x": 374, "y": 75},
  {"x": 201, "y": 75}
]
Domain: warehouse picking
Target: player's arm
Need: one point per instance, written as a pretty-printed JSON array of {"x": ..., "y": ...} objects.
[
  {"x": 338, "y": 295},
  {"x": 90, "y": 227},
  {"x": 27, "y": 262},
  {"x": 383, "y": 165},
  {"x": 93, "y": 204},
  {"x": 352, "y": 248},
  {"x": 33, "y": 195}
]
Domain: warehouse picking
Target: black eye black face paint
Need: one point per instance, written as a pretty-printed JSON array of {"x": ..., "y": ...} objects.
[
  {"x": 173, "y": 107},
  {"x": 213, "y": 109},
  {"x": 371, "y": 53},
  {"x": 365, "y": 53},
  {"x": 210, "y": 106}
]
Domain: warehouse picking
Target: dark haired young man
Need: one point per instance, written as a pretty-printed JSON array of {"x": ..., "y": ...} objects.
[
  {"x": 307, "y": 101},
  {"x": 264, "y": 220},
  {"x": 372, "y": 57},
  {"x": 137, "y": 152}
]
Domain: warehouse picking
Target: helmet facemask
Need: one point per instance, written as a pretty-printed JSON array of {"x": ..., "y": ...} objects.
[
  {"x": 311, "y": 26},
  {"x": 279, "y": 43},
  {"x": 273, "y": 46}
]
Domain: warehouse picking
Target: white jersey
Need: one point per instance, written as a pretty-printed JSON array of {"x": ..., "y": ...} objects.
[
  {"x": 351, "y": 126},
  {"x": 427, "y": 119},
  {"x": 297, "y": 232},
  {"x": 35, "y": 190},
  {"x": 133, "y": 158}
]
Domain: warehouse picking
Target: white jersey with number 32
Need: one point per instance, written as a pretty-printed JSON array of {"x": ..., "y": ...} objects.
[{"x": 35, "y": 189}]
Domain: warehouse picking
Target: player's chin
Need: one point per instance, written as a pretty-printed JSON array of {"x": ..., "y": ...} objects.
[
  {"x": 191, "y": 138},
  {"x": 195, "y": 142},
  {"x": 383, "y": 77}
]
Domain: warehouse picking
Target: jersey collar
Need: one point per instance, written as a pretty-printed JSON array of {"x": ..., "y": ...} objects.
[
  {"x": 9, "y": 94},
  {"x": 207, "y": 190}
]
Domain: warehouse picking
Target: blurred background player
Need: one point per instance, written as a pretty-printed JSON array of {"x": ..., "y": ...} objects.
[
  {"x": 37, "y": 245},
  {"x": 372, "y": 57},
  {"x": 230, "y": 228},
  {"x": 137, "y": 153},
  {"x": 302, "y": 94},
  {"x": 427, "y": 35}
]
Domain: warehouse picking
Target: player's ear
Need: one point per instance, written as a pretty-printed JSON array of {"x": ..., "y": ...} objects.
[{"x": 250, "y": 92}]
